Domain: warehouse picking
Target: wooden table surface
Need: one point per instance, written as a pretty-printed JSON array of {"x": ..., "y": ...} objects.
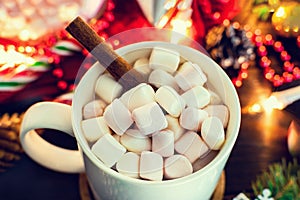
[
  {"x": 262, "y": 141},
  {"x": 262, "y": 138}
]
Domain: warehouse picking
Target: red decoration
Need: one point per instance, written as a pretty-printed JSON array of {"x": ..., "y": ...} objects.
[
  {"x": 47, "y": 52},
  {"x": 208, "y": 13},
  {"x": 289, "y": 68}
]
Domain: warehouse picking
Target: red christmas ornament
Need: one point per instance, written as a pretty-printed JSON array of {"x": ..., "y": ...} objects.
[
  {"x": 293, "y": 138},
  {"x": 209, "y": 13}
]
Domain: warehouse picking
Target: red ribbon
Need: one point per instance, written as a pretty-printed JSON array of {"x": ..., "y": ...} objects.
[{"x": 208, "y": 13}]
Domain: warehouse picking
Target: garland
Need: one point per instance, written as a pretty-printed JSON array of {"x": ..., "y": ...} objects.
[
  {"x": 234, "y": 47},
  {"x": 288, "y": 72}
]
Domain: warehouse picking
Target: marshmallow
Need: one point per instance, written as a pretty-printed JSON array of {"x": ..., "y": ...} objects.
[
  {"x": 138, "y": 96},
  {"x": 149, "y": 118},
  {"x": 169, "y": 100},
  {"x": 93, "y": 109},
  {"x": 191, "y": 145},
  {"x": 190, "y": 75},
  {"x": 177, "y": 166},
  {"x": 164, "y": 59},
  {"x": 151, "y": 166},
  {"x": 212, "y": 132},
  {"x": 191, "y": 118},
  {"x": 133, "y": 140},
  {"x": 173, "y": 125},
  {"x": 94, "y": 128},
  {"x": 108, "y": 150},
  {"x": 214, "y": 98},
  {"x": 118, "y": 117},
  {"x": 220, "y": 111},
  {"x": 197, "y": 97},
  {"x": 107, "y": 88},
  {"x": 160, "y": 77},
  {"x": 163, "y": 143},
  {"x": 142, "y": 66},
  {"x": 129, "y": 165}
]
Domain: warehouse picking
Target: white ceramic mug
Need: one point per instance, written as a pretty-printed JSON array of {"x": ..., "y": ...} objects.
[{"x": 105, "y": 182}]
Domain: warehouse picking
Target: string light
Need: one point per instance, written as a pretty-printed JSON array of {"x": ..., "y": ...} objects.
[
  {"x": 285, "y": 18},
  {"x": 19, "y": 57},
  {"x": 290, "y": 69}
]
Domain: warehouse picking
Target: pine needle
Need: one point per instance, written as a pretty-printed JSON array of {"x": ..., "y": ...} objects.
[{"x": 282, "y": 179}]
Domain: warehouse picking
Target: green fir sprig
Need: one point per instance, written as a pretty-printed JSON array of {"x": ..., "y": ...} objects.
[{"x": 282, "y": 179}]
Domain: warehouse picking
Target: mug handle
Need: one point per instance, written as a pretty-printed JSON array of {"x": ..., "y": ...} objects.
[{"x": 56, "y": 116}]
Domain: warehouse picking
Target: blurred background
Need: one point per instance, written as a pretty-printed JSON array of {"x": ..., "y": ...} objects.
[{"x": 256, "y": 42}]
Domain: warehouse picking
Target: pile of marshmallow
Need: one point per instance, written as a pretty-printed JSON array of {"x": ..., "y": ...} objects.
[{"x": 155, "y": 134}]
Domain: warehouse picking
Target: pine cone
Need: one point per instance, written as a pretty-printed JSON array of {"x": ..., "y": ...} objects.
[
  {"x": 229, "y": 47},
  {"x": 10, "y": 147}
]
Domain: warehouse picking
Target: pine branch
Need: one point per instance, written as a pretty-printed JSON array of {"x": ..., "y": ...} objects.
[{"x": 282, "y": 179}]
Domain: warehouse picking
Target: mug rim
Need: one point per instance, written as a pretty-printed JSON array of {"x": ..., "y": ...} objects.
[{"x": 223, "y": 153}]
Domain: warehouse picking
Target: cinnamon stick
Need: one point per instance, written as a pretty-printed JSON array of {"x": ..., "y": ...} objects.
[{"x": 117, "y": 66}]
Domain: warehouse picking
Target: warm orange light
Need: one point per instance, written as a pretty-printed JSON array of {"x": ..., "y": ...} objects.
[
  {"x": 278, "y": 28},
  {"x": 255, "y": 108},
  {"x": 258, "y": 39},
  {"x": 257, "y": 32},
  {"x": 286, "y": 29},
  {"x": 280, "y": 13},
  {"x": 269, "y": 39},
  {"x": 28, "y": 49},
  {"x": 41, "y": 51},
  {"x": 15, "y": 60},
  {"x": 226, "y": 22},
  {"x": 249, "y": 34},
  {"x": 11, "y": 47},
  {"x": 238, "y": 83},
  {"x": 244, "y": 75},
  {"x": 272, "y": 103},
  {"x": 236, "y": 25},
  {"x": 163, "y": 21},
  {"x": 245, "y": 65},
  {"x": 278, "y": 46},
  {"x": 262, "y": 50},
  {"x": 269, "y": 74},
  {"x": 24, "y": 35},
  {"x": 247, "y": 27},
  {"x": 21, "y": 49},
  {"x": 216, "y": 15},
  {"x": 296, "y": 29}
]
